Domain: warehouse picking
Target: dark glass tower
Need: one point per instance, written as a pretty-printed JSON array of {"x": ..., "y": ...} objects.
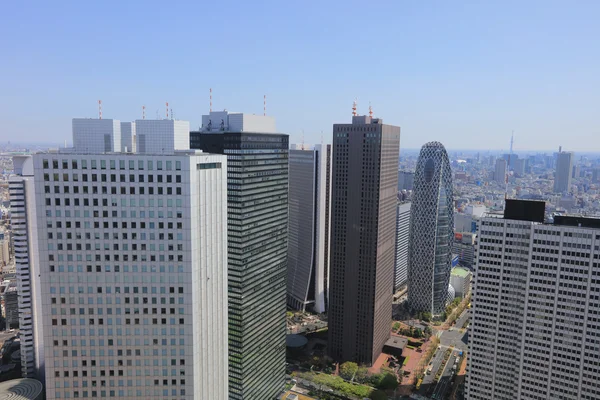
[
  {"x": 257, "y": 166},
  {"x": 363, "y": 237},
  {"x": 431, "y": 231}
]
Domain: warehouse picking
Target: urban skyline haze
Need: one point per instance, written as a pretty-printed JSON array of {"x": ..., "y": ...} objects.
[{"x": 463, "y": 74}]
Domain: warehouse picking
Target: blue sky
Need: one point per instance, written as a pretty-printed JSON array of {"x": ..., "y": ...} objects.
[{"x": 465, "y": 73}]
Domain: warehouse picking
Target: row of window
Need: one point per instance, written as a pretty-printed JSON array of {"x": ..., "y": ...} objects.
[{"x": 112, "y": 164}]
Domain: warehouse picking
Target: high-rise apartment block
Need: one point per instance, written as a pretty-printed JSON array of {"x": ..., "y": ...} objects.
[
  {"x": 363, "y": 237},
  {"x": 309, "y": 227},
  {"x": 122, "y": 265},
  {"x": 257, "y": 193},
  {"x": 431, "y": 231},
  {"x": 402, "y": 244},
  {"x": 536, "y": 302},
  {"x": 563, "y": 174}
]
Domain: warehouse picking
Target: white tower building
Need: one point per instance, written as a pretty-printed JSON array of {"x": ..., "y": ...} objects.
[
  {"x": 309, "y": 222},
  {"x": 122, "y": 266},
  {"x": 536, "y": 302}
]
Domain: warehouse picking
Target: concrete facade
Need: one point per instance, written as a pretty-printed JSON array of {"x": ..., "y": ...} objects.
[
  {"x": 536, "y": 300},
  {"x": 122, "y": 263}
]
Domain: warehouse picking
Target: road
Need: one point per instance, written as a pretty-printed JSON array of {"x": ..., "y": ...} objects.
[
  {"x": 436, "y": 362},
  {"x": 456, "y": 336},
  {"x": 444, "y": 383}
]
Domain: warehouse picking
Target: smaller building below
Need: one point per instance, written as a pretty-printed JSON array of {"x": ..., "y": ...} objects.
[{"x": 21, "y": 389}]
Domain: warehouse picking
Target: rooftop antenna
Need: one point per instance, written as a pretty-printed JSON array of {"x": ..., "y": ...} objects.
[
  {"x": 210, "y": 95},
  {"x": 171, "y": 113},
  {"x": 370, "y": 110},
  {"x": 99, "y": 109},
  {"x": 302, "y": 140},
  {"x": 512, "y": 138},
  {"x": 354, "y": 107},
  {"x": 143, "y": 112},
  {"x": 167, "y": 104},
  {"x": 265, "y": 105}
]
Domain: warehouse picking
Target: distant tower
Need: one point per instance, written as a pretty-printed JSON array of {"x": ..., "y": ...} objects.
[
  {"x": 99, "y": 109},
  {"x": 564, "y": 168},
  {"x": 354, "y": 108},
  {"x": 431, "y": 231}
]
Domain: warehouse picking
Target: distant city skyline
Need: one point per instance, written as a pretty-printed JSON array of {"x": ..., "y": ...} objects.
[{"x": 465, "y": 75}]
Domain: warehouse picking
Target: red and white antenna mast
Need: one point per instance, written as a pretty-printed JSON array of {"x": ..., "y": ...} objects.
[
  {"x": 210, "y": 95},
  {"x": 354, "y": 108},
  {"x": 143, "y": 112},
  {"x": 370, "y": 110},
  {"x": 167, "y": 104},
  {"x": 99, "y": 109},
  {"x": 265, "y": 105}
]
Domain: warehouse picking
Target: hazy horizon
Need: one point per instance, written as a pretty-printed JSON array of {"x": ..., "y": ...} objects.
[{"x": 464, "y": 74}]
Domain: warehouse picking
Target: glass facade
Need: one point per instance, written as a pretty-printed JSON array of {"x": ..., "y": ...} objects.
[
  {"x": 257, "y": 251},
  {"x": 431, "y": 231}
]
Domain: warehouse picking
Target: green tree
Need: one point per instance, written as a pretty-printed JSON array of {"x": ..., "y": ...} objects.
[
  {"x": 427, "y": 331},
  {"x": 376, "y": 379},
  {"x": 418, "y": 333},
  {"x": 378, "y": 395},
  {"x": 348, "y": 369},
  {"x": 396, "y": 326},
  {"x": 388, "y": 382},
  {"x": 362, "y": 374},
  {"x": 426, "y": 316}
]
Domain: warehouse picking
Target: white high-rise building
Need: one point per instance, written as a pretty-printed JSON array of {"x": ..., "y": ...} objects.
[
  {"x": 535, "y": 332},
  {"x": 122, "y": 267},
  {"x": 309, "y": 222},
  {"x": 402, "y": 245}
]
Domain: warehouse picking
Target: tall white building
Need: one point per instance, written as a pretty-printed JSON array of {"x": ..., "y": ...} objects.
[
  {"x": 122, "y": 267},
  {"x": 563, "y": 174},
  {"x": 535, "y": 332},
  {"x": 309, "y": 222},
  {"x": 402, "y": 245}
]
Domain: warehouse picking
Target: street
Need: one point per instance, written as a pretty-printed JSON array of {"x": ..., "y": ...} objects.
[
  {"x": 444, "y": 383},
  {"x": 455, "y": 336}
]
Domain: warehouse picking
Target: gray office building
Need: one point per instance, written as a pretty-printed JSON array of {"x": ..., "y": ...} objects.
[
  {"x": 402, "y": 241},
  {"x": 406, "y": 180},
  {"x": 562, "y": 176},
  {"x": 309, "y": 227},
  {"x": 257, "y": 192},
  {"x": 363, "y": 237}
]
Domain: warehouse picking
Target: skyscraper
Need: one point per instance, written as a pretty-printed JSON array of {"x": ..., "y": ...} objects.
[
  {"x": 309, "y": 228},
  {"x": 122, "y": 263},
  {"x": 431, "y": 231},
  {"x": 258, "y": 219},
  {"x": 363, "y": 237},
  {"x": 500, "y": 171},
  {"x": 535, "y": 306},
  {"x": 402, "y": 244},
  {"x": 562, "y": 176}
]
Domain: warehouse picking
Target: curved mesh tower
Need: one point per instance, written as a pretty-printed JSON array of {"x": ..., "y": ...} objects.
[{"x": 431, "y": 231}]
